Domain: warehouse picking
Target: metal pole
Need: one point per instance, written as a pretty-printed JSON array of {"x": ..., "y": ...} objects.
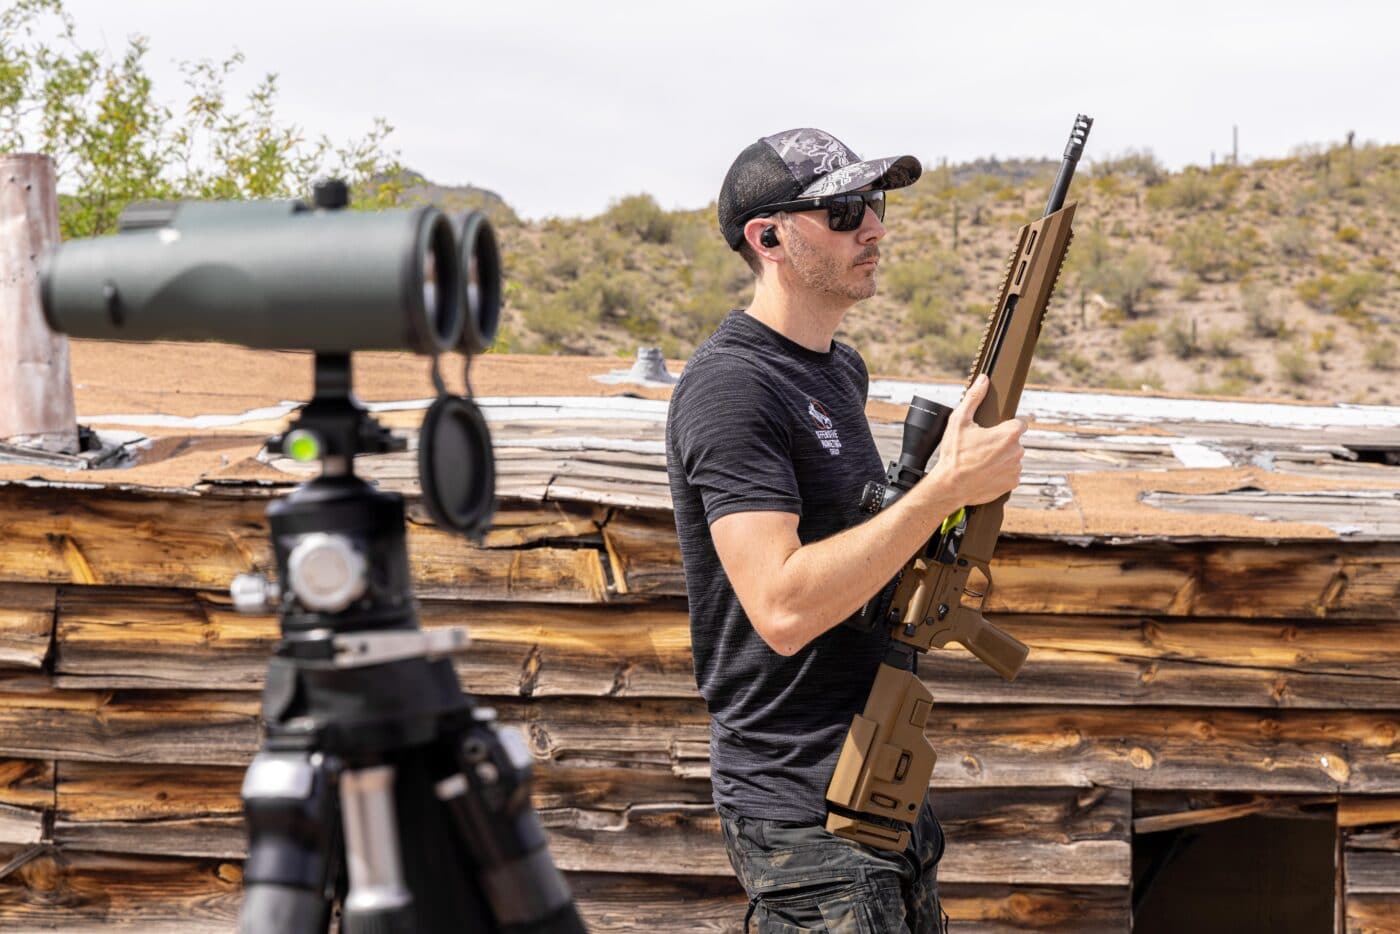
[{"x": 36, "y": 390}]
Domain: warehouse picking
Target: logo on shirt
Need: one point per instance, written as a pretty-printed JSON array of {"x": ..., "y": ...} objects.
[{"x": 825, "y": 430}]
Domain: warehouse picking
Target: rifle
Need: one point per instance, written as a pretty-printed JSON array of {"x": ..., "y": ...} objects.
[{"x": 886, "y": 760}]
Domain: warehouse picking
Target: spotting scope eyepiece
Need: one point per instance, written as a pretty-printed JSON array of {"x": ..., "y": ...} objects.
[{"x": 279, "y": 275}]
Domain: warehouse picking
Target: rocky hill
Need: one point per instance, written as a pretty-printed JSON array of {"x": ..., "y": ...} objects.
[{"x": 1276, "y": 278}]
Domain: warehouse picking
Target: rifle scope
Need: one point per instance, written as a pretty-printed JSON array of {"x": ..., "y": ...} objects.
[{"x": 281, "y": 275}]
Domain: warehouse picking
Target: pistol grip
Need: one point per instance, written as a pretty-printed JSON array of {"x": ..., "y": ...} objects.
[{"x": 1001, "y": 651}]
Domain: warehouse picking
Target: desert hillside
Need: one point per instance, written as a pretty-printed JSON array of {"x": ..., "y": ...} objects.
[{"x": 1276, "y": 278}]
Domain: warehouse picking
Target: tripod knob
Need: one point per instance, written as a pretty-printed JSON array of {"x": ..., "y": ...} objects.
[
  {"x": 254, "y": 594},
  {"x": 326, "y": 572}
]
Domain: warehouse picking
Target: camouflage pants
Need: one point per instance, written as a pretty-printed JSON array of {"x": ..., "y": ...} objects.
[{"x": 802, "y": 878}]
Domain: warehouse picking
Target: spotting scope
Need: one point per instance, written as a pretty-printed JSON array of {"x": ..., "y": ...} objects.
[{"x": 281, "y": 275}]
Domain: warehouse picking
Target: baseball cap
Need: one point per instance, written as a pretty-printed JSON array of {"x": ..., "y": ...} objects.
[{"x": 802, "y": 163}]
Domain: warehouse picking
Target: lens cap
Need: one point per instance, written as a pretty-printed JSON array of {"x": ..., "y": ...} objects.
[
  {"x": 455, "y": 466},
  {"x": 481, "y": 281}
]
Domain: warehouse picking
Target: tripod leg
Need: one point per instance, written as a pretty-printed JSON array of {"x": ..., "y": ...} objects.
[
  {"x": 378, "y": 901},
  {"x": 293, "y": 844},
  {"x": 489, "y": 799}
]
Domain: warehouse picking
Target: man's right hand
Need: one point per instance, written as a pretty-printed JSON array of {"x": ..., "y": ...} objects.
[{"x": 980, "y": 464}]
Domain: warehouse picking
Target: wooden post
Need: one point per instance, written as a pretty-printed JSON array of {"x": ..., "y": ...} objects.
[{"x": 36, "y": 391}]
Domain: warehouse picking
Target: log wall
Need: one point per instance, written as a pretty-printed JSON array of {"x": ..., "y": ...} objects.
[{"x": 129, "y": 708}]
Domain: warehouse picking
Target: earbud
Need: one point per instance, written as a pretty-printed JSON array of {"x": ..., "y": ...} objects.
[{"x": 769, "y": 237}]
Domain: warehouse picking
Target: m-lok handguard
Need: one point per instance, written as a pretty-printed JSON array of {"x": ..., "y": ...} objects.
[{"x": 886, "y": 760}]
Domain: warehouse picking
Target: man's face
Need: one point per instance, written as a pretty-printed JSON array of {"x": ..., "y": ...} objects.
[{"x": 841, "y": 263}]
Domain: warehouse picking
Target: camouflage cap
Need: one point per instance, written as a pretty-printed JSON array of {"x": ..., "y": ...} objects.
[{"x": 802, "y": 163}]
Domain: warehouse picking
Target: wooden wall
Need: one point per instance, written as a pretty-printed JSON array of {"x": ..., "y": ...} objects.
[{"x": 128, "y": 710}]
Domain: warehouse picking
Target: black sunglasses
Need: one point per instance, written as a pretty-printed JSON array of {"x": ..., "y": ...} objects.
[{"x": 843, "y": 212}]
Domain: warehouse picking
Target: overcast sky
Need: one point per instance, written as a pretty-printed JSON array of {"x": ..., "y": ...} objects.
[{"x": 562, "y": 107}]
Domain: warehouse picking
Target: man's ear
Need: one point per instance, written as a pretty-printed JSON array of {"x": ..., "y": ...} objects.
[{"x": 763, "y": 237}]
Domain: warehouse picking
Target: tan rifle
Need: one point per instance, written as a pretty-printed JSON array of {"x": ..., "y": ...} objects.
[{"x": 886, "y": 760}]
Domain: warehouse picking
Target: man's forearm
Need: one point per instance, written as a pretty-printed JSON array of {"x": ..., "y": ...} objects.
[{"x": 821, "y": 584}]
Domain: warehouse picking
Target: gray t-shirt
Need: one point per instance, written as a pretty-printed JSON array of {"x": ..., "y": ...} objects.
[{"x": 760, "y": 423}]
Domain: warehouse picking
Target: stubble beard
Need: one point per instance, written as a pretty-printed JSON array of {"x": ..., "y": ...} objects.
[{"x": 822, "y": 272}]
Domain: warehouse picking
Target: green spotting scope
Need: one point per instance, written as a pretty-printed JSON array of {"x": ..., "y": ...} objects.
[{"x": 281, "y": 275}]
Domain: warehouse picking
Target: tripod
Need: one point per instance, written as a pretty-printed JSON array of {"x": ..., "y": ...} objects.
[{"x": 380, "y": 784}]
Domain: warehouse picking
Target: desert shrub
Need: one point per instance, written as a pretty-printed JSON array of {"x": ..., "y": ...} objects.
[
  {"x": 565, "y": 256},
  {"x": 1192, "y": 190},
  {"x": 642, "y": 217},
  {"x": 956, "y": 352},
  {"x": 1189, "y": 288},
  {"x": 1323, "y": 340},
  {"x": 1346, "y": 294},
  {"x": 1294, "y": 240},
  {"x": 1138, "y": 339},
  {"x": 1260, "y": 315},
  {"x": 1240, "y": 369},
  {"x": 928, "y": 316},
  {"x": 931, "y": 272},
  {"x": 1123, "y": 279},
  {"x": 1348, "y": 234},
  {"x": 1333, "y": 263},
  {"x": 1222, "y": 342},
  {"x": 1180, "y": 338},
  {"x": 1382, "y": 355},
  {"x": 1140, "y": 164},
  {"x": 1204, "y": 248},
  {"x": 1294, "y": 364}
]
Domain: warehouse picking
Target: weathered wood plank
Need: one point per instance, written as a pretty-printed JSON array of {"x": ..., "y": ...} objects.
[
  {"x": 87, "y": 893},
  {"x": 63, "y": 536},
  {"x": 996, "y": 909},
  {"x": 78, "y": 893},
  {"x": 26, "y": 624},
  {"x": 1295, "y": 580},
  {"x": 199, "y": 729},
  {"x": 1360, "y": 810},
  {"x": 1305, "y": 663},
  {"x": 78, "y": 537},
  {"x": 645, "y": 553},
  {"x": 1373, "y": 872},
  {"x": 609, "y": 823},
  {"x": 1306, "y": 752},
  {"x": 1288, "y": 751},
  {"x": 1154, "y": 812},
  {"x": 636, "y": 904},
  {"x": 1373, "y": 914},
  {"x": 120, "y": 638}
]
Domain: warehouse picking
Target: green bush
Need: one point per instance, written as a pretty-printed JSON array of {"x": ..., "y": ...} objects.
[
  {"x": 1240, "y": 369},
  {"x": 1346, "y": 294},
  {"x": 642, "y": 217},
  {"x": 1138, "y": 339},
  {"x": 1193, "y": 190},
  {"x": 1294, "y": 364},
  {"x": 1222, "y": 342},
  {"x": 1348, "y": 234},
  {"x": 1205, "y": 249},
  {"x": 931, "y": 274},
  {"x": 1382, "y": 355},
  {"x": 1123, "y": 279},
  {"x": 1259, "y": 311},
  {"x": 1181, "y": 338},
  {"x": 1294, "y": 240},
  {"x": 1189, "y": 288}
]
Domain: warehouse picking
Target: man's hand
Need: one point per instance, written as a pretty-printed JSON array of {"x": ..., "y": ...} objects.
[{"x": 978, "y": 463}]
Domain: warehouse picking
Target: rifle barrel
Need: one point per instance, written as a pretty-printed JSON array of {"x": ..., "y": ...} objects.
[{"x": 1077, "y": 137}]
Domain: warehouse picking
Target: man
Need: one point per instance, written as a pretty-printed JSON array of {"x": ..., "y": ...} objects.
[{"x": 768, "y": 449}]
